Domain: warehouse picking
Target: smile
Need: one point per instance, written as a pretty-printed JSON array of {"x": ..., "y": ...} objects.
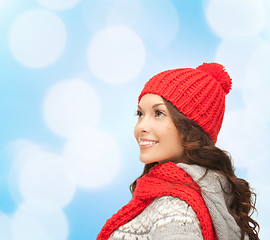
[{"x": 144, "y": 143}]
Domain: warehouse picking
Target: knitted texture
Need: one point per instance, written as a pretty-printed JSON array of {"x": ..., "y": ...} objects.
[
  {"x": 197, "y": 93},
  {"x": 167, "y": 217},
  {"x": 165, "y": 179},
  {"x": 215, "y": 191}
]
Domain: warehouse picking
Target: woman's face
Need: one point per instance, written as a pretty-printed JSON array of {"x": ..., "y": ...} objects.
[{"x": 155, "y": 131}]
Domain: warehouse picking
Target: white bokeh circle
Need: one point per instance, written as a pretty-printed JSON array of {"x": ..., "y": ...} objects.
[
  {"x": 38, "y": 177},
  {"x": 27, "y": 226},
  {"x": 37, "y": 38},
  {"x": 257, "y": 84},
  {"x": 59, "y": 4},
  {"x": 234, "y": 55},
  {"x": 92, "y": 158},
  {"x": 70, "y": 106},
  {"x": 21, "y": 151},
  {"x": 158, "y": 22},
  {"x": 236, "y": 18},
  {"x": 5, "y": 227},
  {"x": 245, "y": 136},
  {"x": 116, "y": 55},
  {"x": 44, "y": 178}
]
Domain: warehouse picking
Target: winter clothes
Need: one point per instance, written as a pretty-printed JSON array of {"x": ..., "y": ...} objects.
[{"x": 168, "y": 204}]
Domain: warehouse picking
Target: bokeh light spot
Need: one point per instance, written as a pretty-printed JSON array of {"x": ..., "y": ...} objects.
[
  {"x": 44, "y": 178},
  {"x": 116, "y": 55},
  {"x": 158, "y": 22},
  {"x": 239, "y": 138},
  {"x": 236, "y": 18},
  {"x": 22, "y": 151},
  {"x": 92, "y": 158},
  {"x": 27, "y": 226},
  {"x": 39, "y": 177},
  {"x": 70, "y": 106},
  {"x": 256, "y": 88},
  {"x": 234, "y": 54},
  {"x": 37, "y": 38}
]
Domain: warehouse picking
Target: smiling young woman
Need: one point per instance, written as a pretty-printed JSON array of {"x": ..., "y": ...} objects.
[{"x": 188, "y": 188}]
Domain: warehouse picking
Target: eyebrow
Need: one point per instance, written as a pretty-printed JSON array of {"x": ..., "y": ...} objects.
[{"x": 155, "y": 105}]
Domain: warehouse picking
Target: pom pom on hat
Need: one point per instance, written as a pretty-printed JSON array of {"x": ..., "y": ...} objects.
[
  {"x": 197, "y": 93},
  {"x": 219, "y": 73}
]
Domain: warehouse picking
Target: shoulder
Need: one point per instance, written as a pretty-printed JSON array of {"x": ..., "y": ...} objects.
[
  {"x": 167, "y": 217},
  {"x": 173, "y": 218},
  {"x": 168, "y": 209},
  {"x": 169, "y": 206}
]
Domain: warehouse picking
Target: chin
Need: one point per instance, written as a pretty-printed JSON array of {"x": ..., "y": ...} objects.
[{"x": 147, "y": 160}]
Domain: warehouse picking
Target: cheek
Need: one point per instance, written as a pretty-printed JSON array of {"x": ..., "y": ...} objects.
[
  {"x": 171, "y": 130},
  {"x": 173, "y": 136},
  {"x": 136, "y": 131}
]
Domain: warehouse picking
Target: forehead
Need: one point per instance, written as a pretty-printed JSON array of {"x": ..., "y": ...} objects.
[{"x": 150, "y": 98}]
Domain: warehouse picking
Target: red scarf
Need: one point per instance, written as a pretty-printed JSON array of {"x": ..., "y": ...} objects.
[{"x": 165, "y": 179}]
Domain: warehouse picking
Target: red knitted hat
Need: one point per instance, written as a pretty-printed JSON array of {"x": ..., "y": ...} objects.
[{"x": 197, "y": 93}]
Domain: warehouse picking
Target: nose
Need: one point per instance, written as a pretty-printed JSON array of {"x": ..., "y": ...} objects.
[{"x": 143, "y": 125}]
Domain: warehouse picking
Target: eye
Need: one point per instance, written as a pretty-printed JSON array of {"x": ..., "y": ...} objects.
[
  {"x": 138, "y": 113},
  {"x": 158, "y": 113}
]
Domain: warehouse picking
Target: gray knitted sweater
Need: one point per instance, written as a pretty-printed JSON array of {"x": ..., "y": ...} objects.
[{"x": 171, "y": 218}]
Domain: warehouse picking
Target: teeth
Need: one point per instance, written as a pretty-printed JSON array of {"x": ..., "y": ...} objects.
[{"x": 143, "y": 143}]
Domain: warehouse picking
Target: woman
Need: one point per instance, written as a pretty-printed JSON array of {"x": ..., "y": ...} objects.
[{"x": 188, "y": 189}]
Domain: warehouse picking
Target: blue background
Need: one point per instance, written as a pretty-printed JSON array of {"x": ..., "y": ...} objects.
[{"x": 161, "y": 35}]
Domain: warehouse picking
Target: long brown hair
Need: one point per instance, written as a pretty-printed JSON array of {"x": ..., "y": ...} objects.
[{"x": 200, "y": 150}]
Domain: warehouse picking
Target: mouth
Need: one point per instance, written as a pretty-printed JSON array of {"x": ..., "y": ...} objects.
[{"x": 147, "y": 143}]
